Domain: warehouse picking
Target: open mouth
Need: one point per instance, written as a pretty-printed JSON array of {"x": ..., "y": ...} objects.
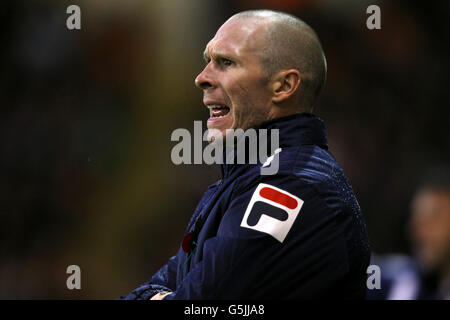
[{"x": 218, "y": 111}]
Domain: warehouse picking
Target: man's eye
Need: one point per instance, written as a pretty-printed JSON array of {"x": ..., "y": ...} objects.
[{"x": 227, "y": 62}]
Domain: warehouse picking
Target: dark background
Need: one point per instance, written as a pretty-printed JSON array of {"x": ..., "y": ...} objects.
[{"x": 86, "y": 116}]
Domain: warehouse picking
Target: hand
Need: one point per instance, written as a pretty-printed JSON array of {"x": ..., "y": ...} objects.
[{"x": 160, "y": 295}]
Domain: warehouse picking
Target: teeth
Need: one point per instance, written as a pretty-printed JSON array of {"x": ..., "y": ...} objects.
[
  {"x": 216, "y": 106},
  {"x": 214, "y": 110}
]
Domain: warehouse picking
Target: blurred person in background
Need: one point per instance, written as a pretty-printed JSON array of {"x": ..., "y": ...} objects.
[
  {"x": 430, "y": 234},
  {"x": 297, "y": 234},
  {"x": 425, "y": 274}
]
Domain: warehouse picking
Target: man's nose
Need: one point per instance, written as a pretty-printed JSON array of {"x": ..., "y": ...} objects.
[{"x": 204, "y": 80}]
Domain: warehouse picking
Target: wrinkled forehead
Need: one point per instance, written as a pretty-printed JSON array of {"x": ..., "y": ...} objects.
[{"x": 238, "y": 36}]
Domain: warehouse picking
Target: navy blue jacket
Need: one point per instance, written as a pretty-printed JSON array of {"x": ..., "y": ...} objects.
[{"x": 298, "y": 234}]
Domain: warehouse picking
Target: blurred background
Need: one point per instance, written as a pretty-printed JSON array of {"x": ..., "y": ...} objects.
[{"x": 86, "y": 116}]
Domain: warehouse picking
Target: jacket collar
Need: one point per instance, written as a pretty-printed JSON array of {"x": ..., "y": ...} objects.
[{"x": 294, "y": 130}]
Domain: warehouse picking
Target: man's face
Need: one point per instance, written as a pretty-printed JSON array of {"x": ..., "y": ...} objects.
[
  {"x": 235, "y": 88},
  {"x": 430, "y": 228}
]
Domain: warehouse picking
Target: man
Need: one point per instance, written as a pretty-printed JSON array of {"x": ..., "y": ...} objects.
[
  {"x": 430, "y": 234},
  {"x": 296, "y": 234},
  {"x": 426, "y": 274}
]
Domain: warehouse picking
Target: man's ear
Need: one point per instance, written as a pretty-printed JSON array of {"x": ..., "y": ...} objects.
[{"x": 284, "y": 84}]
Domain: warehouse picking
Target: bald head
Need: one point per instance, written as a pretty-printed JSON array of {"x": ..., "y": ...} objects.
[{"x": 289, "y": 43}]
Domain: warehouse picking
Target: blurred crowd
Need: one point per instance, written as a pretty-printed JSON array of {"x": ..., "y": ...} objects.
[{"x": 86, "y": 117}]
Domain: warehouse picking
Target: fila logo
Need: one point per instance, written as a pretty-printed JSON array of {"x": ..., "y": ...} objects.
[{"x": 272, "y": 210}]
